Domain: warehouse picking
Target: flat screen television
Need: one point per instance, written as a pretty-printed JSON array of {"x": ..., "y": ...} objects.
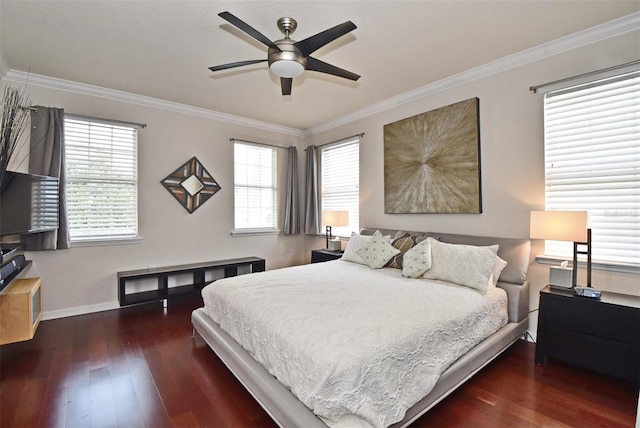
[{"x": 28, "y": 203}]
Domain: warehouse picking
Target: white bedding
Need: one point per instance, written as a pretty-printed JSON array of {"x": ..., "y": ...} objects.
[{"x": 357, "y": 346}]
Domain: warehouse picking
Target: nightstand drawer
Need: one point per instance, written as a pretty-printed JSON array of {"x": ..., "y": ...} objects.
[
  {"x": 617, "y": 359},
  {"x": 579, "y": 314},
  {"x": 601, "y": 335}
]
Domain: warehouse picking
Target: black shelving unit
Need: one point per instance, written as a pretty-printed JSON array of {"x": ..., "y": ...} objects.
[{"x": 198, "y": 271}]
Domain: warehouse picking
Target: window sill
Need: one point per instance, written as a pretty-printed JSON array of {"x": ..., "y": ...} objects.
[
  {"x": 606, "y": 266},
  {"x": 333, "y": 236},
  {"x": 103, "y": 242},
  {"x": 254, "y": 232}
]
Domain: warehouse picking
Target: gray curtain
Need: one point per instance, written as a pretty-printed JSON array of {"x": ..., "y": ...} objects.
[
  {"x": 312, "y": 196},
  {"x": 291, "y": 210},
  {"x": 46, "y": 157}
]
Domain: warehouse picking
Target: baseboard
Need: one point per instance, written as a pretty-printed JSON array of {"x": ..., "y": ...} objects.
[{"x": 80, "y": 310}]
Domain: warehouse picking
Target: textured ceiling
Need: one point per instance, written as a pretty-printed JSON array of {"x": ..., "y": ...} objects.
[{"x": 162, "y": 49}]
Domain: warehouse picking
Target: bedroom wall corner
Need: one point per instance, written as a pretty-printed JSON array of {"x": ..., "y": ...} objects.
[
  {"x": 512, "y": 154},
  {"x": 83, "y": 279}
]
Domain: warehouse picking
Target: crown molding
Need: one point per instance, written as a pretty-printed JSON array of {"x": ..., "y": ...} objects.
[
  {"x": 25, "y": 78},
  {"x": 592, "y": 35}
]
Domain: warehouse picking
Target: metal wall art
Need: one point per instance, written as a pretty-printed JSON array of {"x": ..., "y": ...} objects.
[
  {"x": 432, "y": 161},
  {"x": 191, "y": 184}
]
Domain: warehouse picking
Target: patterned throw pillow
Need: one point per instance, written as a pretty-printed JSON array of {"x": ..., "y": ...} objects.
[
  {"x": 355, "y": 243},
  {"x": 417, "y": 260},
  {"x": 377, "y": 252},
  {"x": 403, "y": 241}
]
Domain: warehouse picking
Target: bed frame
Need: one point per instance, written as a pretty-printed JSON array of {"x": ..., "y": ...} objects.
[{"x": 286, "y": 410}]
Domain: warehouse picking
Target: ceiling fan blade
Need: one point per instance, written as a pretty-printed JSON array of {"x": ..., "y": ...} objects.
[
  {"x": 314, "y": 64},
  {"x": 248, "y": 29},
  {"x": 313, "y": 43},
  {"x": 236, "y": 64},
  {"x": 286, "y": 85}
]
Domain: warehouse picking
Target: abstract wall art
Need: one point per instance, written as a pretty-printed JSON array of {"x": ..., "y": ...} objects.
[
  {"x": 432, "y": 161},
  {"x": 191, "y": 184}
]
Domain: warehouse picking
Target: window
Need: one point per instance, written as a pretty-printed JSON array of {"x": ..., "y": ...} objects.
[
  {"x": 101, "y": 179},
  {"x": 340, "y": 182},
  {"x": 256, "y": 191},
  {"x": 592, "y": 163}
]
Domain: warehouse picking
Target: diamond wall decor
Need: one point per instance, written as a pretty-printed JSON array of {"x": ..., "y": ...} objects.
[{"x": 191, "y": 184}]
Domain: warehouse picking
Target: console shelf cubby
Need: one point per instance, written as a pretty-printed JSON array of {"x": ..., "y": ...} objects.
[{"x": 198, "y": 271}]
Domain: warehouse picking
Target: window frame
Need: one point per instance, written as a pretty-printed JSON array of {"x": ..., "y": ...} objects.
[
  {"x": 130, "y": 233},
  {"x": 253, "y": 229},
  {"x": 354, "y": 205},
  {"x": 610, "y": 258}
]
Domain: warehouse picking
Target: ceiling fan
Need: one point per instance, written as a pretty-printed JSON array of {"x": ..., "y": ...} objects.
[{"x": 286, "y": 57}]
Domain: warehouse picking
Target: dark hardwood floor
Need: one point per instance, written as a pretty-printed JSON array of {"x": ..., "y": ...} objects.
[{"x": 139, "y": 367}]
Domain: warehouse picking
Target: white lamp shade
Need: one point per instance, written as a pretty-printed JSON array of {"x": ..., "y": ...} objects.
[
  {"x": 335, "y": 218},
  {"x": 559, "y": 225}
]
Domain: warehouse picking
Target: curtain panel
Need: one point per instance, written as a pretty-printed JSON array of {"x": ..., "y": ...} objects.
[
  {"x": 312, "y": 196},
  {"x": 291, "y": 209},
  {"x": 46, "y": 157}
]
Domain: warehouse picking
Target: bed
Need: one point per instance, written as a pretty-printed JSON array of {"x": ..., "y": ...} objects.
[{"x": 394, "y": 371}]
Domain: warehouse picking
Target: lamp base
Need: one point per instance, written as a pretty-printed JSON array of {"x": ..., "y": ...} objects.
[{"x": 328, "y": 236}]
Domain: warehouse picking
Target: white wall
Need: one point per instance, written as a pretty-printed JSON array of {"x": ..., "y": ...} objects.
[
  {"x": 512, "y": 155},
  {"x": 83, "y": 279}
]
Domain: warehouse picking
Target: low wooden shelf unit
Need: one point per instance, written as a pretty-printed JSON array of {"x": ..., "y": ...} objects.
[
  {"x": 198, "y": 271},
  {"x": 20, "y": 310}
]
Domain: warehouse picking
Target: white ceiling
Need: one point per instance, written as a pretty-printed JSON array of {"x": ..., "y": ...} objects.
[{"x": 162, "y": 49}]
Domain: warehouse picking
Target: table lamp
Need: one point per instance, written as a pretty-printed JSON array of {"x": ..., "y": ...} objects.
[
  {"x": 334, "y": 218},
  {"x": 564, "y": 226}
]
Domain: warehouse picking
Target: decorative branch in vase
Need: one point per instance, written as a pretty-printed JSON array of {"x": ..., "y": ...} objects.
[{"x": 14, "y": 113}]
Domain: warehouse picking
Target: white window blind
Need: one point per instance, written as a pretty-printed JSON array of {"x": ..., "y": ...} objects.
[
  {"x": 592, "y": 163},
  {"x": 101, "y": 161},
  {"x": 340, "y": 182},
  {"x": 256, "y": 191}
]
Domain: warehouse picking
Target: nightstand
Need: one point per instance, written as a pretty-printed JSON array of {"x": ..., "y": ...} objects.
[
  {"x": 318, "y": 256},
  {"x": 601, "y": 335}
]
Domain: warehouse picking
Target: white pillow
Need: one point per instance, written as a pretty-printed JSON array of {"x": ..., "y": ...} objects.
[
  {"x": 498, "y": 267},
  {"x": 378, "y": 251},
  {"x": 466, "y": 265},
  {"x": 417, "y": 260},
  {"x": 355, "y": 243}
]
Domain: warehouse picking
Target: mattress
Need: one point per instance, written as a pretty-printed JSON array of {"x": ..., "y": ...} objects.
[{"x": 357, "y": 346}]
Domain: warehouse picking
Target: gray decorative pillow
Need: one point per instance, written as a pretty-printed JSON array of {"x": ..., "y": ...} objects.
[
  {"x": 377, "y": 252},
  {"x": 417, "y": 260},
  {"x": 466, "y": 265}
]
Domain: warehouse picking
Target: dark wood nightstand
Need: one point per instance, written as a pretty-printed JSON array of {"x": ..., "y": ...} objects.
[
  {"x": 318, "y": 256},
  {"x": 601, "y": 335}
]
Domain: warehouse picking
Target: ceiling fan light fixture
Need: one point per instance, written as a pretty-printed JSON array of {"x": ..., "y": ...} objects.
[
  {"x": 286, "y": 68},
  {"x": 286, "y": 57}
]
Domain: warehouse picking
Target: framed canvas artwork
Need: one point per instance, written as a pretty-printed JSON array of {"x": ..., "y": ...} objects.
[{"x": 432, "y": 161}]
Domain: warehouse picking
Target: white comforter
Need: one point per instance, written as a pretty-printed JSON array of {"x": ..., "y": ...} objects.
[{"x": 353, "y": 344}]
